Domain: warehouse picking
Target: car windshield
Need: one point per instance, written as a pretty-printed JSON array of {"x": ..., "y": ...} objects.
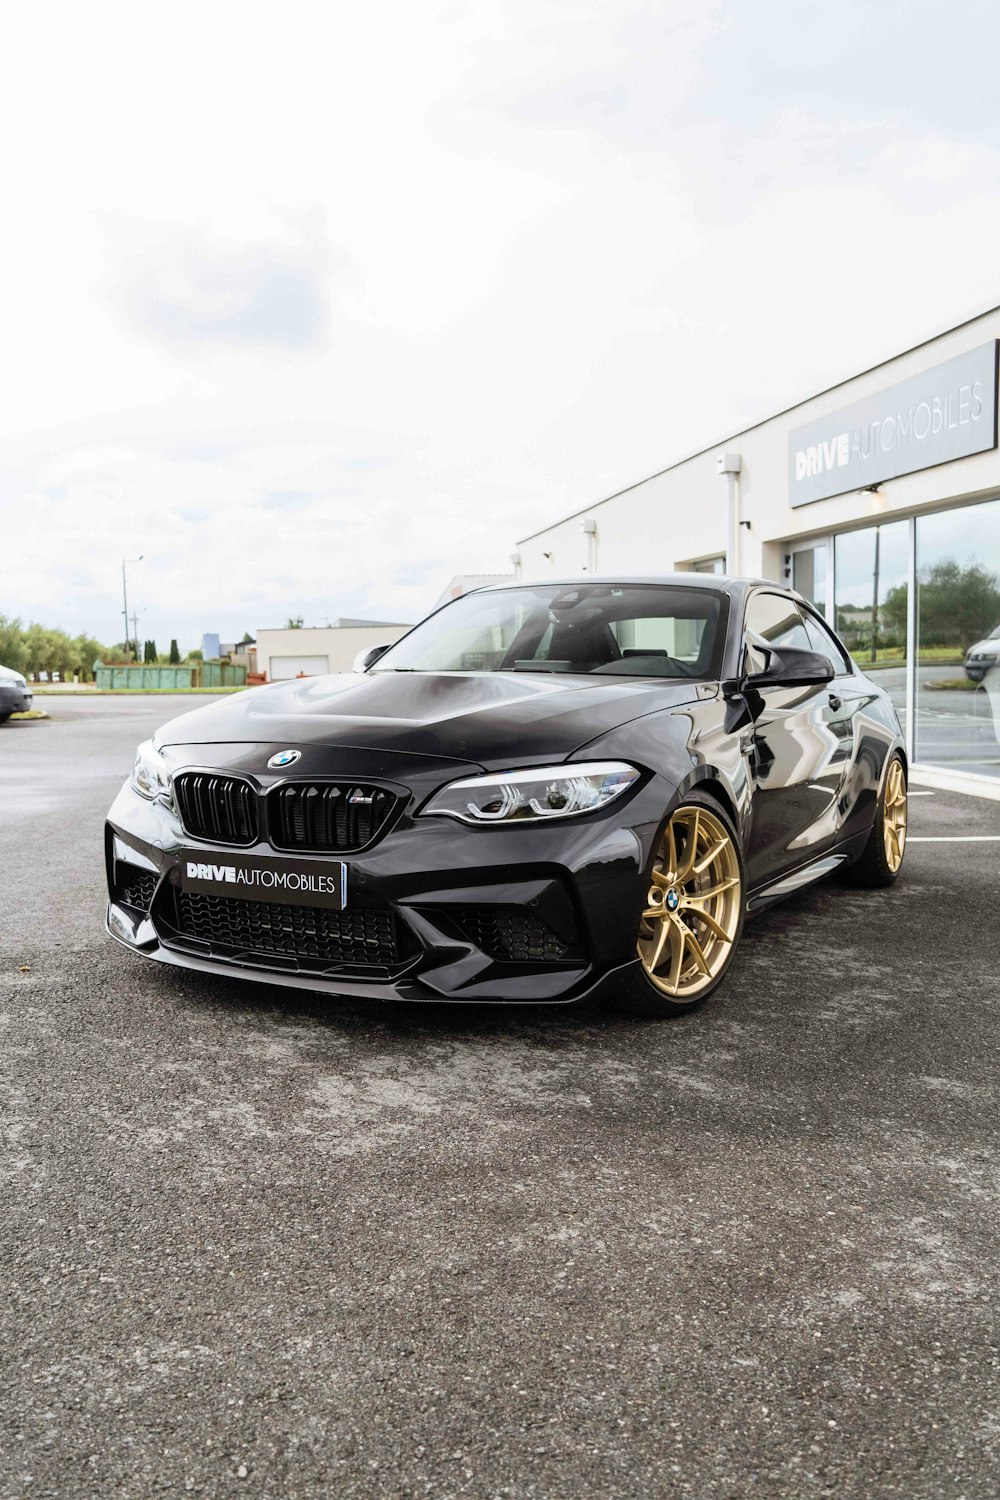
[
  {"x": 994, "y": 634},
  {"x": 625, "y": 630}
]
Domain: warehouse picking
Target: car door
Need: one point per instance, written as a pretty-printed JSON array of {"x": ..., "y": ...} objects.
[{"x": 801, "y": 745}]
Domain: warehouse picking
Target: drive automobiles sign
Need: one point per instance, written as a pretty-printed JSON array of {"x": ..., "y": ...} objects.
[{"x": 941, "y": 414}]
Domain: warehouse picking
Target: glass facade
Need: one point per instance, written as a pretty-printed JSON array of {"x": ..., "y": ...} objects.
[
  {"x": 939, "y": 655},
  {"x": 871, "y": 572},
  {"x": 809, "y": 565},
  {"x": 958, "y": 665}
]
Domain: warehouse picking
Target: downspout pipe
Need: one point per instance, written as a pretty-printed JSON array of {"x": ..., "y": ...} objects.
[{"x": 731, "y": 465}]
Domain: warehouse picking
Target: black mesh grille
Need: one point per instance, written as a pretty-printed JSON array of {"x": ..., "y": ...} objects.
[
  {"x": 510, "y": 933},
  {"x": 332, "y": 817},
  {"x": 136, "y": 887},
  {"x": 301, "y": 932},
  {"x": 220, "y": 808}
]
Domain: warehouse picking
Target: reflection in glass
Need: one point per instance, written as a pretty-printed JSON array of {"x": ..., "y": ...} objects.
[
  {"x": 958, "y": 605},
  {"x": 871, "y": 574},
  {"x": 809, "y": 575}
]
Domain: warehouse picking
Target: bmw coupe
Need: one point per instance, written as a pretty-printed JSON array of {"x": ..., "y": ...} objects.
[{"x": 543, "y": 792}]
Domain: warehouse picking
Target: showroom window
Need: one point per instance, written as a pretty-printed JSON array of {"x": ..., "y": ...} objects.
[
  {"x": 938, "y": 653},
  {"x": 871, "y": 569},
  {"x": 958, "y": 665},
  {"x": 809, "y": 569}
]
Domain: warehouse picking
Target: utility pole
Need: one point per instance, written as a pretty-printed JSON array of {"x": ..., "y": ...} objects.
[
  {"x": 125, "y": 609},
  {"x": 135, "y": 632},
  {"x": 125, "y": 603},
  {"x": 875, "y": 602}
]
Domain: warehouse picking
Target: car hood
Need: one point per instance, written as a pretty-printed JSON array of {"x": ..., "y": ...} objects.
[
  {"x": 990, "y": 645},
  {"x": 490, "y": 718}
]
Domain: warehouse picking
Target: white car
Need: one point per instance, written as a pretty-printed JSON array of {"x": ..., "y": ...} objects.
[
  {"x": 984, "y": 655},
  {"x": 15, "y": 694}
]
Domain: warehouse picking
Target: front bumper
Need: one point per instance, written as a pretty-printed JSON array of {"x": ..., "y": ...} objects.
[
  {"x": 15, "y": 699},
  {"x": 436, "y": 911},
  {"x": 977, "y": 668}
]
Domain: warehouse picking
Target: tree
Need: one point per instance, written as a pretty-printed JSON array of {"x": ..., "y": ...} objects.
[
  {"x": 13, "y": 652},
  {"x": 175, "y": 654},
  {"x": 294, "y": 624},
  {"x": 247, "y": 639},
  {"x": 149, "y": 652},
  {"x": 196, "y": 655},
  {"x": 86, "y": 652},
  {"x": 894, "y": 606},
  {"x": 957, "y": 606}
]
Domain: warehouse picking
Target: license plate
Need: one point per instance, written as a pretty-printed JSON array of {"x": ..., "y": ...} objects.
[{"x": 256, "y": 877}]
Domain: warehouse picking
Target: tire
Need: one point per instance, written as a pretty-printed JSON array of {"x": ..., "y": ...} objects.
[
  {"x": 879, "y": 863},
  {"x": 685, "y": 952},
  {"x": 5, "y": 715}
]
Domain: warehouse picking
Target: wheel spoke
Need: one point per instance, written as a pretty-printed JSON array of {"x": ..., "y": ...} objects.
[
  {"x": 671, "y": 873},
  {"x": 709, "y": 858},
  {"x": 691, "y": 851},
  {"x": 661, "y": 943},
  {"x": 694, "y": 898},
  {"x": 696, "y": 949},
  {"x": 713, "y": 925},
  {"x": 662, "y": 880},
  {"x": 681, "y": 935}
]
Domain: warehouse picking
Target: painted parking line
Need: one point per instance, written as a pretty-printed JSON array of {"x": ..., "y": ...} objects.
[
  {"x": 919, "y": 794},
  {"x": 956, "y": 838}
]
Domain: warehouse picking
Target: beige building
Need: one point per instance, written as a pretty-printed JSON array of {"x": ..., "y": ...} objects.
[
  {"x": 878, "y": 499},
  {"x": 310, "y": 651}
]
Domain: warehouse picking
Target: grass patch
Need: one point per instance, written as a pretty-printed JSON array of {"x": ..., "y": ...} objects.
[
  {"x": 895, "y": 656},
  {"x": 952, "y": 684},
  {"x": 58, "y": 692},
  {"x": 31, "y": 713}
]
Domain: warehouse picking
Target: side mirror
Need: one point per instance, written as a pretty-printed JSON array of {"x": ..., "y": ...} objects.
[
  {"x": 368, "y": 657},
  {"x": 789, "y": 667}
]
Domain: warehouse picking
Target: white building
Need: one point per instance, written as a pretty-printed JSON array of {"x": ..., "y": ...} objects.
[
  {"x": 888, "y": 479},
  {"x": 310, "y": 651}
]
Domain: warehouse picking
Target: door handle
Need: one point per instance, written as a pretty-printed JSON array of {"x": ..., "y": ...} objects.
[{"x": 834, "y": 700}]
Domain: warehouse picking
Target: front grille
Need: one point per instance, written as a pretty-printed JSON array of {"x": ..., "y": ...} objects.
[
  {"x": 511, "y": 934},
  {"x": 328, "y": 817},
  {"x": 222, "y": 809},
  {"x": 136, "y": 887},
  {"x": 313, "y": 934}
]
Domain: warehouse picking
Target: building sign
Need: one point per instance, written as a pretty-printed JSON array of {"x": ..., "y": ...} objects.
[{"x": 941, "y": 414}]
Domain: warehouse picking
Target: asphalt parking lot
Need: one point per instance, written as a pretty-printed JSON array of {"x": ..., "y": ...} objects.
[{"x": 257, "y": 1244}]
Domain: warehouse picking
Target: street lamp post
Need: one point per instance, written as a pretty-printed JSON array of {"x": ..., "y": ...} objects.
[{"x": 125, "y": 602}]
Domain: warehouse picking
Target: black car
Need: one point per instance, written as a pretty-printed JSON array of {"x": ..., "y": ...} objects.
[{"x": 542, "y": 792}]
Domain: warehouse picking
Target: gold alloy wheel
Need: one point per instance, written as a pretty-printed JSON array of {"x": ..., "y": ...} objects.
[
  {"x": 894, "y": 816},
  {"x": 693, "y": 905}
]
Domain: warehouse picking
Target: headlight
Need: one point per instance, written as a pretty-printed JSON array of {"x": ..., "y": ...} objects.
[
  {"x": 150, "y": 777},
  {"x": 536, "y": 795}
]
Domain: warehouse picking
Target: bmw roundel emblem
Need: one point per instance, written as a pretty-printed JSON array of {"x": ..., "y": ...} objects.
[
  {"x": 673, "y": 901},
  {"x": 284, "y": 758}
]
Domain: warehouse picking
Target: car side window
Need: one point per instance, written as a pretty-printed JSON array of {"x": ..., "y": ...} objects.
[
  {"x": 822, "y": 640},
  {"x": 774, "y": 621}
]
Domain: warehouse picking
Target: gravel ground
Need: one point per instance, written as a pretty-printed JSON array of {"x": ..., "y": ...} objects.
[{"x": 259, "y": 1245}]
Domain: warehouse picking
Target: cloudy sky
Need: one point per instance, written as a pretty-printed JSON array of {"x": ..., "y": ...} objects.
[{"x": 316, "y": 304}]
